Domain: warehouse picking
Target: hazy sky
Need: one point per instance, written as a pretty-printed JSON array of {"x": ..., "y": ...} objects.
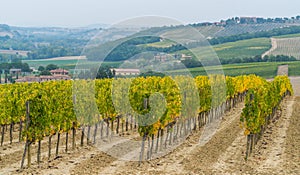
[{"x": 71, "y": 13}]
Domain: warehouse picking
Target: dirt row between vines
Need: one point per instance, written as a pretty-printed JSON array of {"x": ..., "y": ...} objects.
[
  {"x": 276, "y": 153},
  {"x": 177, "y": 161},
  {"x": 270, "y": 155}
]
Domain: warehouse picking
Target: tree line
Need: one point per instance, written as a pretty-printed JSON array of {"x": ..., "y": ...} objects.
[
  {"x": 18, "y": 65},
  {"x": 249, "y": 20},
  {"x": 192, "y": 63},
  {"x": 262, "y": 34}
]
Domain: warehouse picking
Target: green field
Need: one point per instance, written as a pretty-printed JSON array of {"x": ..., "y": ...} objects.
[
  {"x": 288, "y": 36},
  {"x": 36, "y": 63},
  {"x": 264, "y": 69},
  {"x": 238, "y": 49},
  {"x": 162, "y": 44},
  {"x": 67, "y": 64},
  {"x": 244, "y": 48}
]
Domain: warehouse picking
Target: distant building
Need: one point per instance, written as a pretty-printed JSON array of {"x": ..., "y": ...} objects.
[
  {"x": 43, "y": 78},
  {"x": 59, "y": 72},
  {"x": 15, "y": 71},
  {"x": 27, "y": 79},
  {"x": 55, "y": 77},
  {"x": 78, "y": 71},
  {"x": 125, "y": 72},
  {"x": 161, "y": 57},
  {"x": 221, "y": 23},
  {"x": 186, "y": 57}
]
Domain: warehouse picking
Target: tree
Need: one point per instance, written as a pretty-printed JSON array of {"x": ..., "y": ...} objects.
[
  {"x": 104, "y": 72},
  {"x": 25, "y": 67},
  {"x": 45, "y": 72},
  {"x": 5, "y": 77},
  {"x": 51, "y": 67},
  {"x": 190, "y": 63},
  {"x": 41, "y": 68}
]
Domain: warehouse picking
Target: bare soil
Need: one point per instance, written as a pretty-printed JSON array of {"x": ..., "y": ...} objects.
[{"x": 283, "y": 70}]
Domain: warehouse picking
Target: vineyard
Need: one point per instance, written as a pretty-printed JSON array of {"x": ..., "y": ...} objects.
[
  {"x": 161, "y": 113},
  {"x": 285, "y": 46}
]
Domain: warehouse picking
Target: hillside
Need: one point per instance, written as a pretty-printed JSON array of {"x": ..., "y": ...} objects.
[
  {"x": 227, "y": 40},
  {"x": 239, "y": 49},
  {"x": 228, "y": 30},
  {"x": 50, "y": 42}
]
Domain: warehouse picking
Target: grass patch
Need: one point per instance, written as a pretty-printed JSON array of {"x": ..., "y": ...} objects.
[
  {"x": 162, "y": 44},
  {"x": 244, "y": 48},
  {"x": 238, "y": 49},
  {"x": 67, "y": 64},
  {"x": 288, "y": 36},
  {"x": 263, "y": 69}
]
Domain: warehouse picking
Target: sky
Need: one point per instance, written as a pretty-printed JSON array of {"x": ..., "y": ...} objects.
[{"x": 79, "y": 13}]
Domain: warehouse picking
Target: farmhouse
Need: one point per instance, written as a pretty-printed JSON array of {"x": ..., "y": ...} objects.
[
  {"x": 56, "y": 77},
  {"x": 78, "y": 71},
  {"x": 59, "y": 72},
  {"x": 126, "y": 71},
  {"x": 30, "y": 79},
  {"x": 185, "y": 57},
  {"x": 27, "y": 79},
  {"x": 15, "y": 71}
]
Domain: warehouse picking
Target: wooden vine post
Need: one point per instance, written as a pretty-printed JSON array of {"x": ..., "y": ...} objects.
[
  {"x": 27, "y": 144},
  {"x": 20, "y": 130},
  {"x": 2, "y": 134},
  {"x": 144, "y": 136},
  {"x": 249, "y": 142},
  {"x": 74, "y": 127}
]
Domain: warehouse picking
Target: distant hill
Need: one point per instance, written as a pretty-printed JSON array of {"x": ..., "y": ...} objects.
[
  {"x": 50, "y": 42},
  {"x": 5, "y": 31},
  {"x": 285, "y": 45}
]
